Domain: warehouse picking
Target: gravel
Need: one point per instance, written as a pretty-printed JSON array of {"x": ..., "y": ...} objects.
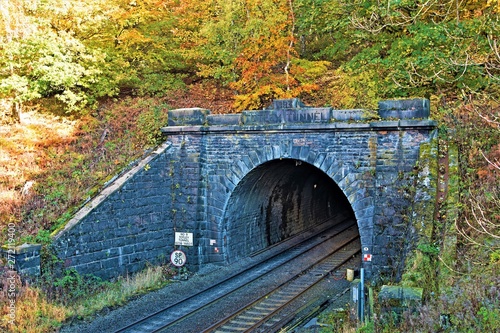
[{"x": 110, "y": 320}]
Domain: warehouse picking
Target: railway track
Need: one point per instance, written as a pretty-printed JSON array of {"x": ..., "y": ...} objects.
[
  {"x": 288, "y": 322},
  {"x": 341, "y": 235},
  {"x": 261, "y": 313}
]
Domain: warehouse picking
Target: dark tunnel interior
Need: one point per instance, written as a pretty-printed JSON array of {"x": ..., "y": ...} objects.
[{"x": 277, "y": 200}]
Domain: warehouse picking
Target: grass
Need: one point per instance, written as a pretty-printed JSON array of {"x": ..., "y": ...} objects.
[
  {"x": 34, "y": 313},
  {"x": 340, "y": 320},
  {"x": 38, "y": 312},
  {"x": 24, "y": 156},
  {"x": 125, "y": 288}
]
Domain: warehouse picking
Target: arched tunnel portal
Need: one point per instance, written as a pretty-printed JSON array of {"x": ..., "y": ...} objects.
[
  {"x": 277, "y": 200},
  {"x": 240, "y": 183}
]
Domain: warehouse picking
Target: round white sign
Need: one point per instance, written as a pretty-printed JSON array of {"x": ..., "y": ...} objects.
[{"x": 178, "y": 258}]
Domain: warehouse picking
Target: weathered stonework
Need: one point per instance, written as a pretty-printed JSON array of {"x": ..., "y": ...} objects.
[
  {"x": 243, "y": 182},
  {"x": 25, "y": 259},
  {"x": 127, "y": 225}
]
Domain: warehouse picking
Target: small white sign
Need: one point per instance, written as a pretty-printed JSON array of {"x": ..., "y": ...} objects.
[
  {"x": 178, "y": 258},
  {"x": 184, "y": 238}
]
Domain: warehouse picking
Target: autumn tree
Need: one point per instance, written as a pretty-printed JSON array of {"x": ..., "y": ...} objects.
[
  {"x": 251, "y": 46},
  {"x": 388, "y": 49},
  {"x": 80, "y": 51},
  {"x": 357, "y": 51},
  {"x": 39, "y": 60},
  {"x": 146, "y": 53}
]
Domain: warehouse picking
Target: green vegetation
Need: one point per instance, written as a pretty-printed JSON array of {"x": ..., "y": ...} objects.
[
  {"x": 84, "y": 86},
  {"x": 43, "y": 307}
]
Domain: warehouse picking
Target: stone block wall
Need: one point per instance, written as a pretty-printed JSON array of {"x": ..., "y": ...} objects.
[
  {"x": 126, "y": 226},
  {"x": 232, "y": 158},
  {"x": 397, "y": 163}
]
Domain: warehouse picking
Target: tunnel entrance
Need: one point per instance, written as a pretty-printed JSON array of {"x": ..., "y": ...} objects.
[{"x": 277, "y": 200}]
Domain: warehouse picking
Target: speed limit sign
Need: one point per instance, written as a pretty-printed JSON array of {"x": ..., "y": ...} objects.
[{"x": 178, "y": 258}]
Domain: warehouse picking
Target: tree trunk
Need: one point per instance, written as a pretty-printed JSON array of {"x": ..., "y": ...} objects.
[{"x": 16, "y": 109}]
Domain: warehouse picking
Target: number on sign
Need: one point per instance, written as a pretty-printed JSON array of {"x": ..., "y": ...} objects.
[{"x": 178, "y": 259}]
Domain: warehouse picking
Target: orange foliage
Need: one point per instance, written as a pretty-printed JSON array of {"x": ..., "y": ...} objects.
[
  {"x": 265, "y": 63},
  {"x": 24, "y": 154},
  {"x": 204, "y": 95},
  {"x": 491, "y": 171}
]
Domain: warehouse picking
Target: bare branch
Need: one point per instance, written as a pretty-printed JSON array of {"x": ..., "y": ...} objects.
[
  {"x": 486, "y": 227},
  {"x": 290, "y": 46},
  {"x": 495, "y": 164},
  {"x": 494, "y": 46},
  {"x": 495, "y": 121},
  {"x": 466, "y": 236},
  {"x": 372, "y": 24}
]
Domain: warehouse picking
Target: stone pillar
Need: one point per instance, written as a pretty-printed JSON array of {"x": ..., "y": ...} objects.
[
  {"x": 404, "y": 109},
  {"x": 25, "y": 259}
]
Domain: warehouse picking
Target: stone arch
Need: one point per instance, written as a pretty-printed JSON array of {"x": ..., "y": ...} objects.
[{"x": 276, "y": 200}]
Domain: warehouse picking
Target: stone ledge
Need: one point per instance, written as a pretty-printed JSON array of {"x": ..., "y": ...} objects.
[
  {"x": 404, "y": 108},
  {"x": 293, "y": 111},
  {"x": 24, "y": 248},
  {"x": 395, "y": 125},
  {"x": 25, "y": 258},
  {"x": 189, "y": 116},
  {"x": 224, "y": 119}
]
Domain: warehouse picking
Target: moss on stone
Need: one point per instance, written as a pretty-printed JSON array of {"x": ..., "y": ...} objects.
[{"x": 423, "y": 210}]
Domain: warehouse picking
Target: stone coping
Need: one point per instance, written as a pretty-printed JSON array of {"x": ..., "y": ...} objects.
[
  {"x": 388, "y": 125},
  {"x": 400, "y": 293},
  {"x": 293, "y": 111},
  {"x": 24, "y": 248}
]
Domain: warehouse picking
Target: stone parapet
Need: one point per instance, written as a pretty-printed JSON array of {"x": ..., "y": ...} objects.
[
  {"x": 189, "y": 116},
  {"x": 384, "y": 125},
  {"x": 293, "y": 111},
  {"x": 404, "y": 109}
]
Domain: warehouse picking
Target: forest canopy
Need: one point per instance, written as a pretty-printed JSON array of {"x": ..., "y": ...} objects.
[{"x": 343, "y": 53}]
